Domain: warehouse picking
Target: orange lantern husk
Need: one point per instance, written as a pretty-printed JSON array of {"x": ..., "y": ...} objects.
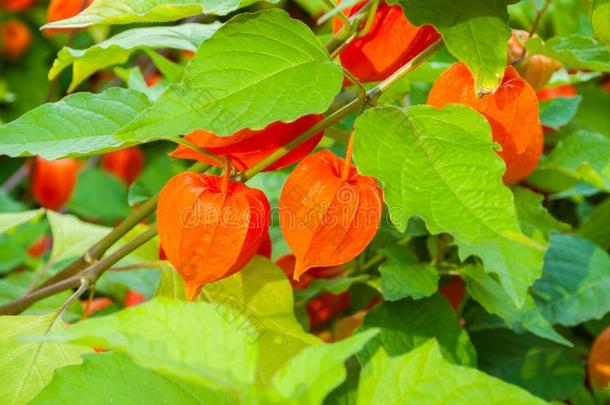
[
  {"x": 247, "y": 147},
  {"x": 53, "y": 181},
  {"x": 15, "y": 39},
  {"x": 390, "y": 42},
  {"x": 210, "y": 227},
  {"x": 328, "y": 213},
  {"x": 599, "y": 360},
  {"x": 512, "y": 112},
  {"x": 126, "y": 164}
]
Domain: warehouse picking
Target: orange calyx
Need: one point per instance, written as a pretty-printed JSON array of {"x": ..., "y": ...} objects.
[
  {"x": 209, "y": 232},
  {"x": 247, "y": 147},
  {"x": 327, "y": 221}
]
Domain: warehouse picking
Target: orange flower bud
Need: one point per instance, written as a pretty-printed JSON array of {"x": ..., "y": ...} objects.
[{"x": 599, "y": 360}]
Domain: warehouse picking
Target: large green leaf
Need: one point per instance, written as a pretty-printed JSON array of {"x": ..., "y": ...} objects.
[
  {"x": 407, "y": 324},
  {"x": 600, "y": 17},
  {"x": 71, "y": 236},
  {"x": 441, "y": 165},
  {"x": 488, "y": 292},
  {"x": 28, "y": 366},
  {"x": 573, "y": 51},
  {"x": 543, "y": 368},
  {"x": 87, "y": 201},
  {"x": 559, "y": 111},
  {"x": 117, "y": 50},
  {"x": 114, "y": 378},
  {"x": 78, "y": 125},
  {"x": 403, "y": 276},
  {"x": 199, "y": 342},
  {"x": 474, "y": 31},
  {"x": 262, "y": 294},
  {"x": 575, "y": 281},
  {"x": 308, "y": 377},
  {"x": 423, "y": 376},
  {"x": 10, "y": 220},
  {"x": 534, "y": 219},
  {"x": 582, "y": 155},
  {"x": 143, "y": 11},
  {"x": 256, "y": 69}
]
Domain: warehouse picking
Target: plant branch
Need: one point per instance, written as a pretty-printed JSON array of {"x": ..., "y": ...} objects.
[
  {"x": 91, "y": 274},
  {"x": 538, "y": 18}
]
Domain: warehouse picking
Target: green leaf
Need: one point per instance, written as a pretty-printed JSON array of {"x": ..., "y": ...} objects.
[
  {"x": 559, "y": 111},
  {"x": 312, "y": 374},
  {"x": 543, "y": 368},
  {"x": 575, "y": 281},
  {"x": 403, "y": 276},
  {"x": 106, "y": 207},
  {"x": 201, "y": 343},
  {"x": 117, "y": 49},
  {"x": 423, "y": 376},
  {"x": 573, "y": 51},
  {"x": 114, "y": 378},
  {"x": 408, "y": 324},
  {"x": 476, "y": 32},
  {"x": 534, "y": 219},
  {"x": 583, "y": 156},
  {"x": 78, "y": 125},
  {"x": 597, "y": 226},
  {"x": 262, "y": 294},
  {"x": 28, "y": 366},
  {"x": 441, "y": 165},
  {"x": 11, "y": 220},
  {"x": 593, "y": 112},
  {"x": 275, "y": 69},
  {"x": 600, "y": 17},
  {"x": 488, "y": 292},
  {"x": 71, "y": 236},
  {"x": 142, "y": 11}
]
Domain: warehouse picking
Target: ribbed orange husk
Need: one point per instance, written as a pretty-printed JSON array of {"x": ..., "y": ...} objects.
[
  {"x": 126, "y": 164},
  {"x": 53, "y": 181},
  {"x": 390, "y": 42},
  {"x": 599, "y": 360},
  {"x": 16, "y": 5},
  {"x": 210, "y": 227},
  {"x": 512, "y": 112},
  {"x": 62, "y": 9},
  {"x": 247, "y": 147},
  {"x": 328, "y": 221},
  {"x": 15, "y": 39}
]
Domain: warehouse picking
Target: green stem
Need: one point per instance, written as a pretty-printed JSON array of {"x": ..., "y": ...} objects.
[{"x": 91, "y": 274}]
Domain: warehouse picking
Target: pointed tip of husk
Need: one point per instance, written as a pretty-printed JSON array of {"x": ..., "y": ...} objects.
[
  {"x": 299, "y": 269},
  {"x": 191, "y": 291}
]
